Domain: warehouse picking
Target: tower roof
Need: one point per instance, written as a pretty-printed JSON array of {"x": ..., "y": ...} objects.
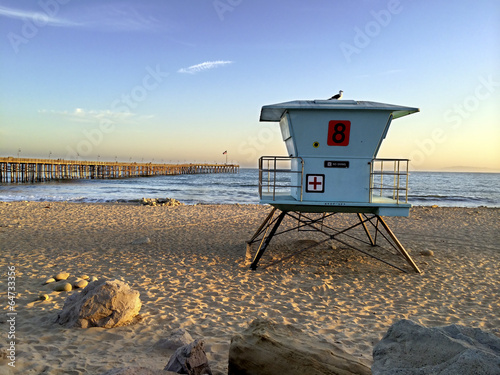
[{"x": 274, "y": 112}]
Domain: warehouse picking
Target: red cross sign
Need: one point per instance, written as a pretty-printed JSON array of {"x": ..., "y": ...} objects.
[{"x": 315, "y": 183}]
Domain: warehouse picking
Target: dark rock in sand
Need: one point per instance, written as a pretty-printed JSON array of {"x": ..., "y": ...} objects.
[{"x": 190, "y": 359}]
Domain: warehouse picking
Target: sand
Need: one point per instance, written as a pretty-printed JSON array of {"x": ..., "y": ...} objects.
[{"x": 193, "y": 275}]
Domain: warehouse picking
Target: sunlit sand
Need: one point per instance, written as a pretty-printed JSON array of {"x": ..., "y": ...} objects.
[{"x": 193, "y": 275}]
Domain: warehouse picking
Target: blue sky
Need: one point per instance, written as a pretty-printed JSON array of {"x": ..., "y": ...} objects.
[{"x": 185, "y": 80}]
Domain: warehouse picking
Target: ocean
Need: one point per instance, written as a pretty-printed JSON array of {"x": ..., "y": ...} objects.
[{"x": 446, "y": 189}]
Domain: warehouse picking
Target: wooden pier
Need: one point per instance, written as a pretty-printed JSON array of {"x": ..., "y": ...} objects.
[{"x": 24, "y": 170}]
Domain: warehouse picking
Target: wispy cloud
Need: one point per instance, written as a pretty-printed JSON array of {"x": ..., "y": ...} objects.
[
  {"x": 41, "y": 17},
  {"x": 204, "y": 66},
  {"x": 105, "y": 17},
  {"x": 92, "y": 116},
  {"x": 120, "y": 17}
]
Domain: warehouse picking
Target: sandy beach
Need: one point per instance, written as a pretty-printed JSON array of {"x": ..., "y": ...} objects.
[{"x": 193, "y": 276}]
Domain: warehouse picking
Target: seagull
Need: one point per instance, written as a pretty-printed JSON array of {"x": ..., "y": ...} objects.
[{"x": 338, "y": 96}]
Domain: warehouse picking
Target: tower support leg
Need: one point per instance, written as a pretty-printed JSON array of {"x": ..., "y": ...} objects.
[
  {"x": 399, "y": 246},
  {"x": 366, "y": 230},
  {"x": 259, "y": 231},
  {"x": 265, "y": 240}
]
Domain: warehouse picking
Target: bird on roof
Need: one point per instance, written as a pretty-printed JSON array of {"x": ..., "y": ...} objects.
[{"x": 338, "y": 96}]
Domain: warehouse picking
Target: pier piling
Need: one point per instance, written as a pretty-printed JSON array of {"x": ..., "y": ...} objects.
[{"x": 26, "y": 170}]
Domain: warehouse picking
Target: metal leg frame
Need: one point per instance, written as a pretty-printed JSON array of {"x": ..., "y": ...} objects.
[
  {"x": 399, "y": 246},
  {"x": 305, "y": 221},
  {"x": 265, "y": 240},
  {"x": 395, "y": 242},
  {"x": 372, "y": 242}
]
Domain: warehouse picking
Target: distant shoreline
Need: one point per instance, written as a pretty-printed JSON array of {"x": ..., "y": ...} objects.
[{"x": 478, "y": 172}]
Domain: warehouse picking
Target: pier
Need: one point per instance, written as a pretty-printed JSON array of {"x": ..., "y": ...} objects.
[{"x": 27, "y": 170}]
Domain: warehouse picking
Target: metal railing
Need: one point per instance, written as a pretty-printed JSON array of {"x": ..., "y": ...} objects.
[
  {"x": 395, "y": 183},
  {"x": 275, "y": 174}
]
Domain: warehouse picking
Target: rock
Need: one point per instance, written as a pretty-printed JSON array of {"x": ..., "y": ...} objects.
[
  {"x": 268, "y": 348},
  {"x": 190, "y": 359},
  {"x": 80, "y": 284},
  {"x": 61, "y": 276},
  {"x": 171, "y": 202},
  {"x": 160, "y": 202},
  {"x": 62, "y": 287},
  {"x": 409, "y": 348},
  {"x": 72, "y": 279},
  {"x": 304, "y": 244},
  {"x": 92, "y": 279},
  {"x": 177, "y": 338},
  {"x": 141, "y": 241},
  {"x": 3, "y": 353},
  {"x": 137, "y": 371},
  {"x": 102, "y": 303},
  {"x": 44, "y": 297},
  {"x": 149, "y": 201},
  {"x": 434, "y": 206},
  {"x": 427, "y": 253},
  {"x": 84, "y": 277},
  {"x": 50, "y": 280}
]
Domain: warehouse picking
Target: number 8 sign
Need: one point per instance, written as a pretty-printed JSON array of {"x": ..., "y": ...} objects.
[{"x": 338, "y": 133}]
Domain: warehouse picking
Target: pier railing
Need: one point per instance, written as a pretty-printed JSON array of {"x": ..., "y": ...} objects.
[{"x": 25, "y": 170}]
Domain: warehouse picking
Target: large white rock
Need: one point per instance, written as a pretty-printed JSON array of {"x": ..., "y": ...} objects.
[
  {"x": 267, "y": 348},
  {"x": 104, "y": 303},
  {"x": 411, "y": 349}
]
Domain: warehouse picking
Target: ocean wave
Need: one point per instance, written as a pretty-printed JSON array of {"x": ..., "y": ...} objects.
[
  {"x": 443, "y": 189},
  {"x": 445, "y": 198}
]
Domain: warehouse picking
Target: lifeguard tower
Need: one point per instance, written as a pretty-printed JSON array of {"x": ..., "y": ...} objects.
[{"x": 332, "y": 168}]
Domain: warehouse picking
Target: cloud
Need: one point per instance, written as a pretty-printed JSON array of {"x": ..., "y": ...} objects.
[
  {"x": 104, "y": 17},
  {"x": 203, "y": 66},
  {"x": 38, "y": 17},
  {"x": 120, "y": 17},
  {"x": 91, "y": 116}
]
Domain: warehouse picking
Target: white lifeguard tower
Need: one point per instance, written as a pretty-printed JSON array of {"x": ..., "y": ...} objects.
[{"x": 331, "y": 168}]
